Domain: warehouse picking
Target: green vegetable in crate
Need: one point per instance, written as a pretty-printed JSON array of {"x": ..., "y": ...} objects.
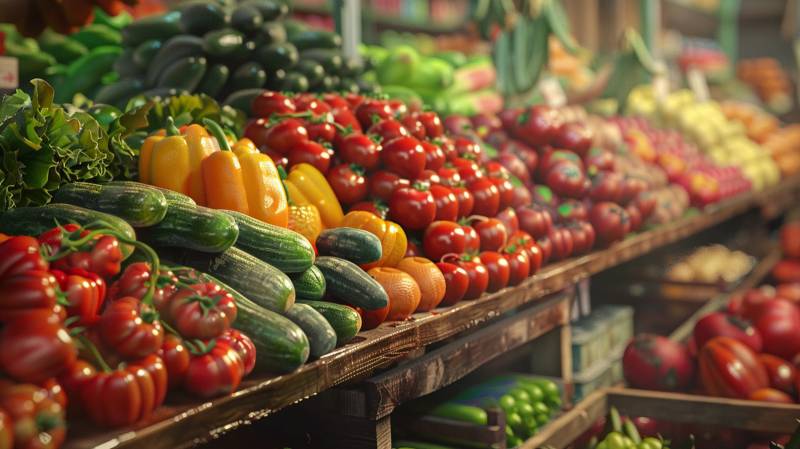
[
  {"x": 460, "y": 412},
  {"x": 214, "y": 80},
  {"x": 65, "y": 50},
  {"x": 145, "y": 52},
  {"x": 154, "y": 27},
  {"x": 321, "y": 336},
  {"x": 193, "y": 227},
  {"x": 282, "y": 248},
  {"x": 347, "y": 282},
  {"x": 356, "y": 245},
  {"x": 309, "y": 284},
  {"x": 138, "y": 204},
  {"x": 246, "y": 18},
  {"x": 277, "y": 56},
  {"x": 177, "y": 47},
  {"x": 199, "y": 18},
  {"x": 184, "y": 74},
  {"x": 344, "y": 319},
  {"x": 97, "y": 35},
  {"x": 86, "y": 72},
  {"x": 249, "y": 75}
]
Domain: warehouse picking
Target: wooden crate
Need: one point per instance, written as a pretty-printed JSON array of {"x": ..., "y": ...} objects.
[
  {"x": 431, "y": 428},
  {"x": 674, "y": 407}
]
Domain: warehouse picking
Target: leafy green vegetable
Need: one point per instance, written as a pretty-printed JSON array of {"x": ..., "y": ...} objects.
[
  {"x": 190, "y": 108},
  {"x": 44, "y": 144}
]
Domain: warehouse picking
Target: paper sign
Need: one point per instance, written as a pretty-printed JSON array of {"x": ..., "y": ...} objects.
[
  {"x": 9, "y": 72},
  {"x": 552, "y": 92},
  {"x": 697, "y": 82}
]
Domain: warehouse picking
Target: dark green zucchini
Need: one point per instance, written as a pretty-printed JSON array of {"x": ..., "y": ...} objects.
[
  {"x": 178, "y": 47},
  {"x": 222, "y": 42},
  {"x": 356, "y": 245},
  {"x": 309, "y": 284},
  {"x": 153, "y": 27},
  {"x": 321, "y": 335},
  {"x": 306, "y": 40},
  {"x": 282, "y": 248},
  {"x": 246, "y": 18},
  {"x": 347, "y": 282},
  {"x": 199, "y": 18},
  {"x": 249, "y": 75},
  {"x": 277, "y": 56},
  {"x": 138, "y": 204},
  {"x": 214, "y": 80},
  {"x": 193, "y": 227},
  {"x": 185, "y": 73},
  {"x": 270, "y": 9},
  {"x": 344, "y": 319}
]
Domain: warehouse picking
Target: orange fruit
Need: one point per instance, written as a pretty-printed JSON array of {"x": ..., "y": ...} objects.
[
  {"x": 429, "y": 278},
  {"x": 306, "y": 221},
  {"x": 402, "y": 289}
]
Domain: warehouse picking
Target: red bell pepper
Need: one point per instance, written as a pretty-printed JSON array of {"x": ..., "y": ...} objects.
[
  {"x": 38, "y": 420},
  {"x": 20, "y": 255}
]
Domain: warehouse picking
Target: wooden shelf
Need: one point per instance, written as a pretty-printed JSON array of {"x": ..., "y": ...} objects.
[{"x": 184, "y": 422}]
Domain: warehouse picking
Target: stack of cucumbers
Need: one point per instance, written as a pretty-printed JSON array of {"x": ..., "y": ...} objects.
[
  {"x": 279, "y": 284},
  {"x": 229, "y": 51}
]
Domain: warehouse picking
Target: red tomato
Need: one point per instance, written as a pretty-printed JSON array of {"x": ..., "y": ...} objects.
[
  {"x": 770, "y": 395},
  {"x": 456, "y": 281},
  {"x": 348, "y": 183},
  {"x": 635, "y": 217},
  {"x": 217, "y": 372},
  {"x": 270, "y": 102},
  {"x": 478, "y": 276},
  {"x": 346, "y": 119},
  {"x": 382, "y": 183},
  {"x": 646, "y": 203},
  {"x": 320, "y": 131},
  {"x": 509, "y": 218},
  {"x": 388, "y": 129},
  {"x": 546, "y": 245},
  {"x": 572, "y": 210},
  {"x": 505, "y": 191},
  {"x": 412, "y": 207},
  {"x": 466, "y": 202},
  {"x": 335, "y": 101},
  {"x": 514, "y": 165},
  {"x": 610, "y": 222},
  {"x": 448, "y": 176},
  {"x": 376, "y": 207},
  {"x": 446, "y": 203},
  {"x": 632, "y": 188},
  {"x": 310, "y": 152},
  {"x": 522, "y": 239},
  {"x": 566, "y": 179},
  {"x": 718, "y": 324},
  {"x": 282, "y": 136},
  {"x": 598, "y": 159},
  {"x": 781, "y": 373},
  {"x": 606, "y": 186},
  {"x": 467, "y": 148},
  {"x": 308, "y": 102},
  {"x": 790, "y": 239},
  {"x": 432, "y": 124},
  {"x": 447, "y": 146},
  {"x": 414, "y": 126},
  {"x": 30, "y": 418},
  {"x": 487, "y": 197},
  {"x": 535, "y": 220},
  {"x": 368, "y": 109},
  {"x": 202, "y": 311},
  {"x": 370, "y": 319},
  {"x": 491, "y": 233},
  {"x": 562, "y": 243},
  {"x": 359, "y": 149},
  {"x": 398, "y": 107},
  {"x": 730, "y": 369},
  {"x": 528, "y": 156},
  {"x": 498, "y": 268},
  {"x": 473, "y": 239},
  {"x": 130, "y": 328},
  {"x": 280, "y": 159},
  {"x": 550, "y": 158},
  {"x": 468, "y": 169},
  {"x": 778, "y": 322},
  {"x": 176, "y": 359},
  {"x": 535, "y": 126},
  {"x": 429, "y": 176},
  {"x": 653, "y": 362},
  {"x": 790, "y": 292},
  {"x": 573, "y": 136},
  {"x": 243, "y": 346},
  {"x": 582, "y": 235},
  {"x": 445, "y": 237},
  {"x": 434, "y": 156},
  {"x": 519, "y": 264},
  {"x": 353, "y": 100},
  {"x": 35, "y": 346},
  {"x": 786, "y": 270},
  {"x": 404, "y": 156}
]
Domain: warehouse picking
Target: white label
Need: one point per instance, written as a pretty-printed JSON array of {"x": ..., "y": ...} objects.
[
  {"x": 552, "y": 92},
  {"x": 697, "y": 82},
  {"x": 9, "y": 72}
]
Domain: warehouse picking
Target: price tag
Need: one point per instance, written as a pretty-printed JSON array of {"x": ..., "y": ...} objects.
[
  {"x": 552, "y": 92},
  {"x": 697, "y": 82},
  {"x": 9, "y": 72}
]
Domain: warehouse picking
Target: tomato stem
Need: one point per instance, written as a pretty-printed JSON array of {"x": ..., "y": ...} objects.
[{"x": 95, "y": 353}]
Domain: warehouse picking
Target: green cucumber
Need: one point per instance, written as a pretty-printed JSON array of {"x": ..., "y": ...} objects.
[
  {"x": 277, "y": 56},
  {"x": 199, "y": 18},
  {"x": 193, "y": 227},
  {"x": 222, "y": 42},
  {"x": 321, "y": 335},
  {"x": 125, "y": 66},
  {"x": 138, "y": 204},
  {"x": 347, "y": 282},
  {"x": 282, "y": 248},
  {"x": 185, "y": 73},
  {"x": 160, "y": 27},
  {"x": 171, "y": 195},
  {"x": 331, "y": 60},
  {"x": 178, "y": 47},
  {"x": 65, "y": 50},
  {"x": 259, "y": 281},
  {"x": 35, "y": 220},
  {"x": 309, "y": 284},
  {"x": 313, "y": 71},
  {"x": 214, "y": 80},
  {"x": 270, "y": 33},
  {"x": 246, "y": 18},
  {"x": 145, "y": 52},
  {"x": 85, "y": 73},
  {"x": 460, "y": 412},
  {"x": 348, "y": 85},
  {"x": 119, "y": 92},
  {"x": 307, "y": 40},
  {"x": 356, "y": 245},
  {"x": 344, "y": 320},
  {"x": 249, "y": 75},
  {"x": 97, "y": 35},
  {"x": 243, "y": 99},
  {"x": 294, "y": 82},
  {"x": 270, "y": 9}
]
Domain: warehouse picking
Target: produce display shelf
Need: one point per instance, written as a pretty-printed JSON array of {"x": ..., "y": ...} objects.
[
  {"x": 184, "y": 422},
  {"x": 675, "y": 407}
]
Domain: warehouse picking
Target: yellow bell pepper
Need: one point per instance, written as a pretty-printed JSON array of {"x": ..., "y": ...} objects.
[
  {"x": 306, "y": 185},
  {"x": 305, "y": 220},
  {"x": 171, "y": 159},
  {"x": 244, "y": 180},
  {"x": 393, "y": 239}
]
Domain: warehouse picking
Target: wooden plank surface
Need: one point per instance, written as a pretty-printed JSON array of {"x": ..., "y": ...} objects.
[
  {"x": 563, "y": 430},
  {"x": 184, "y": 422}
]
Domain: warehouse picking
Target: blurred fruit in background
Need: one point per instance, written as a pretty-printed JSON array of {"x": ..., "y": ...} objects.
[{"x": 769, "y": 80}]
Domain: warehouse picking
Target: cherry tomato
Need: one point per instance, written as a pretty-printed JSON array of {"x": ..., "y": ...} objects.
[
  {"x": 445, "y": 237},
  {"x": 446, "y": 203},
  {"x": 312, "y": 153},
  {"x": 414, "y": 126},
  {"x": 434, "y": 156},
  {"x": 505, "y": 191},
  {"x": 498, "y": 268},
  {"x": 487, "y": 198},
  {"x": 404, "y": 156},
  {"x": 346, "y": 119},
  {"x": 447, "y": 146},
  {"x": 509, "y": 218},
  {"x": 270, "y": 102},
  {"x": 388, "y": 129},
  {"x": 466, "y": 202},
  {"x": 492, "y": 234},
  {"x": 468, "y": 169},
  {"x": 535, "y": 255},
  {"x": 448, "y": 176},
  {"x": 429, "y": 176},
  {"x": 456, "y": 282},
  {"x": 473, "y": 239},
  {"x": 382, "y": 183},
  {"x": 282, "y": 136},
  {"x": 368, "y": 109},
  {"x": 348, "y": 183},
  {"x": 432, "y": 123},
  {"x": 412, "y": 207},
  {"x": 335, "y": 101},
  {"x": 519, "y": 264},
  {"x": 360, "y": 149},
  {"x": 478, "y": 276},
  {"x": 467, "y": 148},
  {"x": 320, "y": 131}
]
